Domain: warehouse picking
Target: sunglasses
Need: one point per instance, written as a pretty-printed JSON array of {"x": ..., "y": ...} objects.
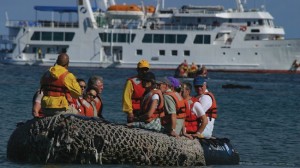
[
  {"x": 91, "y": 95},
  {"x": 197, "y": 86},
  {"x": 143, "y": 69},
  {"x": 83, "y": 87}
]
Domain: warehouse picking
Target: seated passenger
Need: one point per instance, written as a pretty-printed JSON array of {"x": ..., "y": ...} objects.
[
  {"x": 98, "y": 83},
  {"x": 56, "y": 84},
  {"x": 196, "y": 120},
  {"x": 174, "y": 106},
  {"x": 151, "y": 106},
  {"x": 208, "y": 104},
  {"x": 86, "y": 107}
]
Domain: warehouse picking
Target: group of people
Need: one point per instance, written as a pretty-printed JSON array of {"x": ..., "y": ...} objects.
[
  {"x": 164, "y": 105},
  {"x": 190, "y": 71},
  {"x": 61, "y": 92}
]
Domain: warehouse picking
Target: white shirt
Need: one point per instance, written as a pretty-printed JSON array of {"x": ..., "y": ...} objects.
[
  {"x": 205, "y": 101},
  {"x": 198, "y": 109}
]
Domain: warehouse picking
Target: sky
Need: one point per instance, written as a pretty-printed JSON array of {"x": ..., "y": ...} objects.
[{"x": 285, "y": 12}]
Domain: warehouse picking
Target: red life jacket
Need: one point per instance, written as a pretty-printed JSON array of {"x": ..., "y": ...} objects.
[
  {"x": 86, "y": 108},
  {"x": 147, "y": 102},
  {"x": 54, "y": 87},
  {"x": 191, "y": 120},
  {"x": 98, "y": 105},
  {"x": 138, "y": 92}
]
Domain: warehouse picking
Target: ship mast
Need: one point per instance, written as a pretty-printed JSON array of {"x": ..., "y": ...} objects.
[{"x": 240, "y": 7}]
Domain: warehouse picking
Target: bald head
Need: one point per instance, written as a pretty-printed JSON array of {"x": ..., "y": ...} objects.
[{"x": 62, "y": 60}]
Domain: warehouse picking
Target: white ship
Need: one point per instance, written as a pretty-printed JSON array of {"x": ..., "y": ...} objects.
[{"x": 121, "y": 35}]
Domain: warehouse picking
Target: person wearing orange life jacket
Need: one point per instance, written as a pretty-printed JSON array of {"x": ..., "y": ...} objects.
[
  {"x": 98, "y": 83},
  {"x": 196, "y": 120},
  {"x": 86, "y": 107},
  {"x": 56, "y": 83},
  {"x": 208, "y": 104},
  {"x": 174, "y": 106},
  {"x": 133, "y": 91},
  {"x": 151, "y": 106}
]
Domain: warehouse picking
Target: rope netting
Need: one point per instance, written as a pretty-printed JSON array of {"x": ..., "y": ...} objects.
[{"x": 74, "y": 139}]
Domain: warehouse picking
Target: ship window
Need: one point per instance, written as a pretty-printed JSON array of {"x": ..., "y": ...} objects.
[
  {"x": 170, "y": 38},
  {"x": 36, "y": 36},
  {"x": 115, "y": 37},
  {"x": 206, "y": 39},
  {"x": 158, "y": 38},
  {"x": 255, "y": 31},
  {"x": 186, "y": 53},
  {"x": 198, "y": 39},
  {"x": 69, "y": 36},
  {"x": 181, "y": 38},
  {"x": 122, "y": 37},
  {"x": 46, "y": 36},
  {"x": 174, "y": 52},
  {"x": 103, "y": 37},
  {"x": 139, "y": 52},
  {"x": 147, "y": 38},
  {"x": 58, "y": 36},
  {"x": 162, "y": 52},
  {"x": 132, "y": 37}
]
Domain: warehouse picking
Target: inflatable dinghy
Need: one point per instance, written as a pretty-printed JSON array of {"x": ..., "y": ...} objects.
[{"x": 77, "y": 139}]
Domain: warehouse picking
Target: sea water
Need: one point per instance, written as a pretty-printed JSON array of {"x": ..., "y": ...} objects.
[{"x": 262, "y": 123}]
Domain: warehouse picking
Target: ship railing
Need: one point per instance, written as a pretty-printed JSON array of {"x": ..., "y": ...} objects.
[
  {"x": 41, "y": 23},
  {"x": 190, "y": 27},
  {"x": 6, "y": 38}
]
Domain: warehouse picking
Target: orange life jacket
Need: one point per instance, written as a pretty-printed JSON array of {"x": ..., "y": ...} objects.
[
  {"x": 54, "y": 87},
  {"x": 212, "y": 111},
  {"x": 86, "y": 108},
  {"x": 191, "y": 120},
  {"x": 147, "y": 102},
  {"x": 98, "y": 105},
  {"x": 180, "y": 103},
  {"x": 138, "y": 92}
]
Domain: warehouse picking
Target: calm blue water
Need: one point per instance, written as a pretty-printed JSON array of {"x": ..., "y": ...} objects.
[{"x": 262, "y": 123}]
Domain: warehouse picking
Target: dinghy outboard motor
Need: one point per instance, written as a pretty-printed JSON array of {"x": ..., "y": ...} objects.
[{"x": 219, "y": 151}]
